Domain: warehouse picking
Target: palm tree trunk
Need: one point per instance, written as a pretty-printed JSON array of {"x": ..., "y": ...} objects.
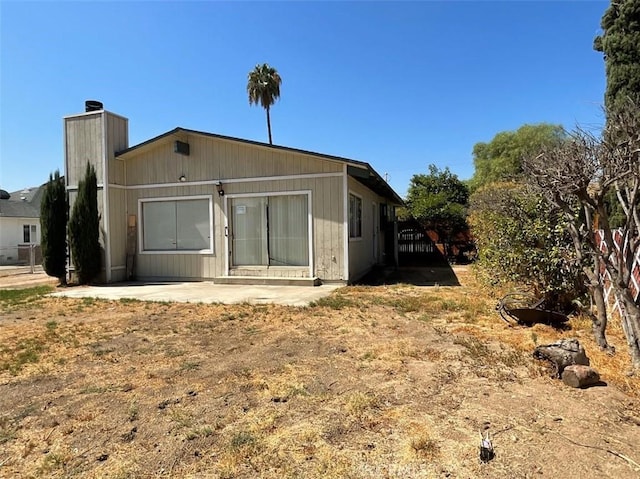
[{"x": 269, "y": 125}]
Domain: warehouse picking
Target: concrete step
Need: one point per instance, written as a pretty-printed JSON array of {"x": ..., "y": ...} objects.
[{"x": 267, "y": 281}]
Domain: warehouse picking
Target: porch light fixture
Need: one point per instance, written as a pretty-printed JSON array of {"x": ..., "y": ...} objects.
[
  {"x": 219, "y": 188},
  {"x": 182, "y": 178}
]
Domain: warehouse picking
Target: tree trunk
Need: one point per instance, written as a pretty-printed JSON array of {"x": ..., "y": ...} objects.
[
  {"x": 630, "y": 313},
  {"x": 599, "y": 320},
  {"x": 269, "y": 125}
]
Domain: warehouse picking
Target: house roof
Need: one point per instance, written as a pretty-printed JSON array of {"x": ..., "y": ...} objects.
[
  {"x": 23, "y": 203},
  {"x": 359, "y": 170}
]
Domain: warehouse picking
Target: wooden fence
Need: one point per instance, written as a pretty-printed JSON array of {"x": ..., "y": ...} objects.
[{"x": 609, "y": 294}]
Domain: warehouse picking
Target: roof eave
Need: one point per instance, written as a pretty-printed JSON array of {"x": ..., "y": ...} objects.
[{"x": 382, "y": 187}]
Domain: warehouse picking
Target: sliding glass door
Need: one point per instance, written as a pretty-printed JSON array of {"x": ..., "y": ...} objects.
[
  {"x": 270, "y": 230},
  {"x": 249, "y": 231}
]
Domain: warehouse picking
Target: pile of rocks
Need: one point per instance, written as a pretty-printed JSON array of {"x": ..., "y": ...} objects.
[{"x": 570, "y": 362}]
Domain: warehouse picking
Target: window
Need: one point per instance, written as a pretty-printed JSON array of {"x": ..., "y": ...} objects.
[
  {"x": 29, "y": 233},
  {"x": 177, "y": 224},
  {"x": 270, "y": 230},
  {"x": 355, "y": 216}
]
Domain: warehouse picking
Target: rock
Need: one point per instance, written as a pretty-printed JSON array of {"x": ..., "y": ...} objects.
[
  {"x": 563, "y": 353},
  {"x": 580, "y": 376}
]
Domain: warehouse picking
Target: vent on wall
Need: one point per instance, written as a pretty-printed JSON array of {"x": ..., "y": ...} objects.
[{"x": 181, "y": 147}]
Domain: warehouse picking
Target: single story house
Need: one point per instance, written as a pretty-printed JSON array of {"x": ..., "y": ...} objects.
[
  {"x": 20, "y": 225},
  {"x": 191, "y": 205}
]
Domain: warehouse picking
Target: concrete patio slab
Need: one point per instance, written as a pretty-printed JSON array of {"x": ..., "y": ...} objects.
[{"x": 203, "y": 292}]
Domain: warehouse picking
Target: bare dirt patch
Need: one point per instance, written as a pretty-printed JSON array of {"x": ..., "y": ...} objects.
[
  {"x": 372, "y": 382},
  {"x": 25, "y": 280}
]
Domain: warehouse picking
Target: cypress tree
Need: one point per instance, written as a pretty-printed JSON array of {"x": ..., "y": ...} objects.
[
  {"x": 620, "y": 44},
  {"x": 84, "y": 228},
  {"x": 54, "y": 211}
]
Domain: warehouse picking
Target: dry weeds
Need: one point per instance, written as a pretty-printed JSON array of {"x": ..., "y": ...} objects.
[{"x": 373, "y": 382}]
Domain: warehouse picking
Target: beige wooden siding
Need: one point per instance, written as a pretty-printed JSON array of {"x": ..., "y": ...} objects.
[
  {"x": 117, "y": 227},
  {"x": 327, "y": 227},
  {"x": 94, "y": 138},
  {"x": 117, "y": 139},
  {"x": 83, "y": 143},
  {"x": 361, "y": 255},
  {"x": 118, "y": 275},
  {"x": 213, "y": 159},
  {"x": 180, "y": 266}
]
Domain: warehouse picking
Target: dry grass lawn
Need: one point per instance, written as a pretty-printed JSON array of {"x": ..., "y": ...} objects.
[{"x": 372, "y": 382}]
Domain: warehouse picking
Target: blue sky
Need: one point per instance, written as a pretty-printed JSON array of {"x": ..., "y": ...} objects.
[{"x": 399, "y": 85}]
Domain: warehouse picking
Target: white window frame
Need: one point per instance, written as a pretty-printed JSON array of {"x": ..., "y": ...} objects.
[
  {"x": 141, "y": 201},
  {"x": 355, "y": 195},
  {"x": 33, "y": 233},
  {"x": 228, "y": 266}
]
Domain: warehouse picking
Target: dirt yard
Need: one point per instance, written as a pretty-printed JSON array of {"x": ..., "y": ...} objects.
[{"x": 372, "y": 382}]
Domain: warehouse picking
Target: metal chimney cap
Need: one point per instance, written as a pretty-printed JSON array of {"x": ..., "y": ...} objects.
[{"x": 93, "y": 105}]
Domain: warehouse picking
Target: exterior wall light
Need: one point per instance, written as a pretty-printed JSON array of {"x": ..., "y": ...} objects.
[
  {"x": 219, "y": 188},
  {"x": 182, "y": 178}
]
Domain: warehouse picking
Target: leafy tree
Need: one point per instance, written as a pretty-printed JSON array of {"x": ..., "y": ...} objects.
[
  {"x": 54, "y": 211},
  {"x": 522, "y": 240},
  {"x": 501, "y": 158},
  {"x": 263, "y": 87},
  {"x": 584, "y": 171},
  {"x": 438, "y": 201},
  {"x": 562, "y": 174},
  {"x": 84, "y": 228},
  {"x": 519, "y": 237},
  {"x": 620, "y": 44}
]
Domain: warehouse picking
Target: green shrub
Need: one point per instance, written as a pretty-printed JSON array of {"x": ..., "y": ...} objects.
[
  {"x": 84, "y": 229},
  {"x": 54, "y": 213}
]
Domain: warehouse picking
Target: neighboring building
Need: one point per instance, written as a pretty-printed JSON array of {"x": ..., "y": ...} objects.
[
  {"x": 20, "y": 225},
  {"x": 189, "y": 205}
]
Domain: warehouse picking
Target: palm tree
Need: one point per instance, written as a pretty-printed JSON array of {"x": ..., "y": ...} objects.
[{"x": 263, "y": 87}]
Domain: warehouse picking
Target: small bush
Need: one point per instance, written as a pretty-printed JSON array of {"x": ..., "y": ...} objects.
[
  {"x": 422, "y": 445},
  {"x": 337, "y": 301},
  {"x": 242, "y": 439}
]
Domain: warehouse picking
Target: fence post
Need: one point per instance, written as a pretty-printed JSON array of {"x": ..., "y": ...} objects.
[{"x": 32, "y": 257}]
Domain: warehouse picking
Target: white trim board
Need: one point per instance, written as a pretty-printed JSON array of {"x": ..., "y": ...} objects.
[
  {"x": 345, "y": 222},
  {"x": 224, "y": 182}
]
